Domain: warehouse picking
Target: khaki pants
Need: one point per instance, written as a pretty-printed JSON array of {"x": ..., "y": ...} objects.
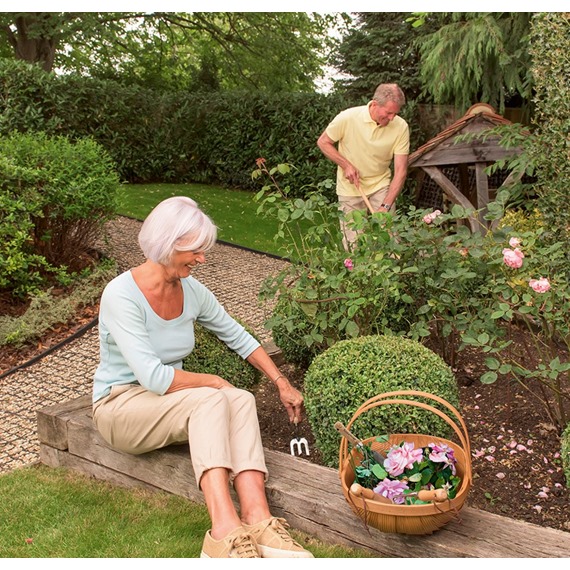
[
  {"x": 221, "y": 426},
  {"x": 347, "y": 204}
]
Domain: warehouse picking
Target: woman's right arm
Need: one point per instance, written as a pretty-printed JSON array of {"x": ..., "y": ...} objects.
[{"x": 183, "y": 380}]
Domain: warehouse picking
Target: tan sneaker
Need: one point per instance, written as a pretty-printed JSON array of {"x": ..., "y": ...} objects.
[
  {"x": 237, "y": 544},
  {"x": 274, "y": 541}
]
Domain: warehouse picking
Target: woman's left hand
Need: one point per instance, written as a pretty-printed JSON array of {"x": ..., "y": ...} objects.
[{"x": 292, "y": 399}]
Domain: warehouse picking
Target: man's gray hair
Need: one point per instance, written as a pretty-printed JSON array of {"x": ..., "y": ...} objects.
[{"x": 387, "y": 92}]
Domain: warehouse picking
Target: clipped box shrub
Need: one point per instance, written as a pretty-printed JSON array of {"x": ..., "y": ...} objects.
[
  {"x": 565, "y": 451},
  {"x": 341, "y": 379},
  {"x": 212, "y": 356}
]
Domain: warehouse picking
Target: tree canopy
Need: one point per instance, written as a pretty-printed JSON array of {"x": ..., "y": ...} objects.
[
  {"x": 380, "y": 48},
  {"x": 270, "y": 51},
  {"x": 482, "y": 56},
  {"x": 457, "y": 58}
]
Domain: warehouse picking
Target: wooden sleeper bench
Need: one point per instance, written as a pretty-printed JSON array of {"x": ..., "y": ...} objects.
[{"x": 309, "y": 496}]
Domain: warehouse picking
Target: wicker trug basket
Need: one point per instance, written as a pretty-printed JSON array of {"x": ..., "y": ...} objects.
[{"x": 407, "y": 519}]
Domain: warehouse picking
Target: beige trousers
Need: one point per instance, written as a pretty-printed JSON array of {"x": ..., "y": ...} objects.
[
  {"x": 347, "y": 204},
  {"x": 221, "y": 426}
]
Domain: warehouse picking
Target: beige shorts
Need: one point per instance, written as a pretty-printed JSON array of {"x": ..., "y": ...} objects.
[
  {"x": 348, "y": 204},
  {"x": 221, "y": 426}
]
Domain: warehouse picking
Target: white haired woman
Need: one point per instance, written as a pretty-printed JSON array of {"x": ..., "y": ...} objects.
[{"x": 144, "y": 400}]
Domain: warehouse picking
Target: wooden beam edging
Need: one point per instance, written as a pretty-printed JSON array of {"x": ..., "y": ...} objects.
[
  {"x": 309, "y": 496},
  {"x": 452, "y": 192}
]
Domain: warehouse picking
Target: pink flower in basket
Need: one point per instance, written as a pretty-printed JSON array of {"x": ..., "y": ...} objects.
[
  {"x": 400, "y": 458},
  {"x": 442, "y": 453},
  {"x": 393, "y": 490}
]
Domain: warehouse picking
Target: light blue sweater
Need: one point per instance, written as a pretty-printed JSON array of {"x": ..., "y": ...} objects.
[{"x": 138, "y": 346}]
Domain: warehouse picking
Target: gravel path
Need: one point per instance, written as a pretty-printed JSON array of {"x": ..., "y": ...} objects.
[{"x": 233, "y": 274}]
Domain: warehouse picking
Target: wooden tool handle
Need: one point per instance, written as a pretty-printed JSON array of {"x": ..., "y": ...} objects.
[
  {"x": 360, "y": 491},
  {"x": 434, "y": 496},
  {"x": 350, "y": 436}
]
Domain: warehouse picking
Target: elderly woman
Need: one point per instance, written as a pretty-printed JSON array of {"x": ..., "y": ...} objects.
[{"x": 144, "y": 400}]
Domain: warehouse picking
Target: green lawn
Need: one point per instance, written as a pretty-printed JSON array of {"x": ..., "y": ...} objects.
[
  {"x": 233, "y": 211},
  {"x": 56, "y": 513}
]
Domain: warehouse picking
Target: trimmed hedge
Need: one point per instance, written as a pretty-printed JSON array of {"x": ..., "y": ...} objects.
[
  {"x": 212, "y": 356},
  {"x": 173, "y": 136},
  {"x": 341, "y": 379}
]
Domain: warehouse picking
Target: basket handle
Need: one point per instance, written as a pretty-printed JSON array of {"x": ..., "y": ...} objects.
[{"x": 383, "y": 399}]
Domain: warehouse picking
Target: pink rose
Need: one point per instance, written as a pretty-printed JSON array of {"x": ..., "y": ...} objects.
[
  {"x": 541, "y": 285},
  {"x": 514, "y": 242},
  {"x": 400, "y": 458},
  {"x": 393, "y": 490},
  {"x": 442, "y": 453},
  {"x": 513, "y": 258},
  {"x": 348, "y": 264},
  {"x": 429, "y": 218}
]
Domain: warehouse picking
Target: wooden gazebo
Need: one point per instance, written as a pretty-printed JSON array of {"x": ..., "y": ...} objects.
[{"x": 452, "y": 171}]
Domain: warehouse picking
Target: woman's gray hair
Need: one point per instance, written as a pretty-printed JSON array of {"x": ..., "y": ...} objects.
[
  {"x": 389, "y": 92},
  {"x": 176, "y": 224}
]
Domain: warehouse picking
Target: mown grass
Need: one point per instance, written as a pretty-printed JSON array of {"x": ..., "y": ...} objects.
[
  {"x": 233, "y": 211},
  {"x": 57, "y": 513}
]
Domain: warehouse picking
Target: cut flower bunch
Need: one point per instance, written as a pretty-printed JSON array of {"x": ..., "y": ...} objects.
[{"x": 406, "y": 470}]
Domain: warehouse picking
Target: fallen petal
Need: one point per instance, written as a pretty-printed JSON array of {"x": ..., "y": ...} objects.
[{"x": 501, "y": 475}]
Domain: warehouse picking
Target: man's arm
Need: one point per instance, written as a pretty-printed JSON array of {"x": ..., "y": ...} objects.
[
  {"x": 328, "y": 148},
  {"x": 400, "y": 172}
]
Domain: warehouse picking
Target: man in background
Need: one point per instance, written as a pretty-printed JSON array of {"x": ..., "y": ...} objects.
[{"x": 369, "y": 138}]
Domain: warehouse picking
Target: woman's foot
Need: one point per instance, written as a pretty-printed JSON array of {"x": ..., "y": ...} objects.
[
  {"x": 237, "y": 544},
  {"x": 274, "y": 541}
]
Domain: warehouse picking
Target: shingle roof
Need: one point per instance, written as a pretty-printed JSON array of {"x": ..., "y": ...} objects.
[{"x": 477, "y": 110}]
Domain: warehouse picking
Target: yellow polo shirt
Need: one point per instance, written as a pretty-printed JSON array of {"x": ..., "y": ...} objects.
[{"x": 368, "y": 147}]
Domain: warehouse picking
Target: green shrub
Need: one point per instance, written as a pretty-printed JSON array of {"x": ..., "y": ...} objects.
[
  {"x": 289, "y": 327},
  {"x": 212, "y": 356},
  {"x": 565, "y": 451},
  {"x": 56, "y": 196},
  {"x": 341, "y": 379}
]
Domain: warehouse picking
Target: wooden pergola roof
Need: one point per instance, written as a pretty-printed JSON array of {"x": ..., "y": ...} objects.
[{"x": 474, "y": 154}]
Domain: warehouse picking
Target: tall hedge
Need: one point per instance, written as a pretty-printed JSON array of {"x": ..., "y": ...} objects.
[
  {"x": 174, "y": 136},
  {"x": 550, "y": 45}
]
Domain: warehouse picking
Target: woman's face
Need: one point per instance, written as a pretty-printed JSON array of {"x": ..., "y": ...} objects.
[{"x": 182, "y": 262}]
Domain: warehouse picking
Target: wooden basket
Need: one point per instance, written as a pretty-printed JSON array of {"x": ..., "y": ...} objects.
[{"x": 407, "y": 519}]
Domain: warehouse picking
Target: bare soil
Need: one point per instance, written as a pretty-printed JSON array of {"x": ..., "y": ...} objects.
[{"x": 515, "y": 448}]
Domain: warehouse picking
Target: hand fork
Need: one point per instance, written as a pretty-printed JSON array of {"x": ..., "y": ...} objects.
[{"x": 299, "y": 443}]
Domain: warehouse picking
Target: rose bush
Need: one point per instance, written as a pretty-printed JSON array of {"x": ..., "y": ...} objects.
[{"x": 425, "y": 275}]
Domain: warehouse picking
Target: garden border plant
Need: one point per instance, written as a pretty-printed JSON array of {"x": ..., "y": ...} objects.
[{"x": 455, "y": 287}]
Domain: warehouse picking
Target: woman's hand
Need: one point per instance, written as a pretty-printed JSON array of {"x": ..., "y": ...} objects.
[{"x": 291, "y": 398}]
